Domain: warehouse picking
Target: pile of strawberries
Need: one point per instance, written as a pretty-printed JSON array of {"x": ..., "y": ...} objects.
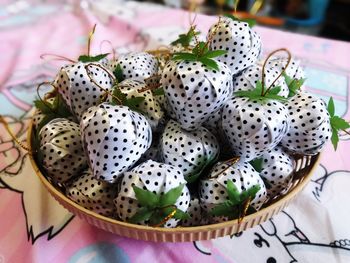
[{"x": 202, "y": 135}]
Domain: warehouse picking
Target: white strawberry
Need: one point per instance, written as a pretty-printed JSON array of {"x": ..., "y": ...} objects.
[
  {"x": 189, "y": 151},
  {"x": 114, "y": 137},
  {"x": 136, "y": 66},
  {"x": 61, "y": 151},
  {"x": 150, "y": 193},
  {"x": 310, "y": 124},
  {"x": 194, "y": 92},
  {"x": 83, "y": 85},
  {"x": 248, "y": 79},
  {"x": 196, "y": 215},
  {"x": 277, "y": 169},
  {"x": 149, "y": 106},
  {"x": 243, "y": 45},
  {"x": 93, "y": 194},
  {"x": 227, "y": 188},
  {"x": 253, "y": 127}
]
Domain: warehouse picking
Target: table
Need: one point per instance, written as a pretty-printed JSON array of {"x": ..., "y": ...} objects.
[{"x": 35, "y": 228}]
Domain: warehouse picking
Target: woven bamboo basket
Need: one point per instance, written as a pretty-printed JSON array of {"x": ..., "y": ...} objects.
[{"x": 305, "y": 166}]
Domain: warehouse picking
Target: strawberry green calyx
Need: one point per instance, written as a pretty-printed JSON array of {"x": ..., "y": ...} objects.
[
  {"x": 118, "y": 74},
  {"x": 155, "y": 208},
  {"x": 294, "y": 85},
  {"x": 119, "y": 97},
  {"x": 258, "y": 94},
  {"x": 249, "y": 21},
  {"x": 202, "y": 54},
  {"x": 87, "y": 59},
  {"x": 234, "y": 207},
  {"x": 185, "y": 39},
  {"x": 337, "y": 123}
]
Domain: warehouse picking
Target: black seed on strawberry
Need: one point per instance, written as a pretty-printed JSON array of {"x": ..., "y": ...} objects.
[{"x": 115, "y": 138}]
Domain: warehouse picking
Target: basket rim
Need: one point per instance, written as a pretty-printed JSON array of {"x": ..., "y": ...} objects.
[{"x": 189, "y": 229}]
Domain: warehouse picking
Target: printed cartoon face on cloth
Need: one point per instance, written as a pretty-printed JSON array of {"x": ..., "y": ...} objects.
[
  {"x": 189, "y": 151},
  {"x": 93, "y": 194},
  {"x": 157, "y": 180},
  {"x": 243, "y": 45},
  {"x": 194, "y": 92},
  {"x": 213, "y": 190},
  {"x": 60, "y": 147},
  {"x": 83, "y": 85},
  {"x": 114, "y": 138}
]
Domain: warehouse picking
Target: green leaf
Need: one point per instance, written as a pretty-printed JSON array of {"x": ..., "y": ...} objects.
[
  {"x": 120, "y": 95},
  {"x": 222, "y": 209},
  {"x": 158, "y": 92},
  {"x": 330, "y": 107},
  {"x": 200, "y": 49},
  {"x": 214, "y": 53},
  {"x": 339, "y": 123},
  {"x": 287, "y": 79},
  {"x": 44, "y": 107},
  {"x": 143, "y": 214},
  {"x": 181, "y": 215},
  {"x": 251, "y": 22},
  {"x": 170, "y": 197},
  {"x": 275, "y": 90},
  {"x": 335, "y": 138},
  {"x": 294, "y": 85},
  {"x": 275, "y": 97},
  {"x": 85, "y": 58},
  {"x": 156, "y": 218},
  {"x": 209, "y": 63},
  {"x": 184, "y": 56},
  {"x": 250, "y": 192},
  {"x": 185, "y": 39},
  {"x": 257, "y": 164},
  {"x": 118, "y": 73},
  {"x": 146, "y": 198},
  {"x": 232, "y": 192}
]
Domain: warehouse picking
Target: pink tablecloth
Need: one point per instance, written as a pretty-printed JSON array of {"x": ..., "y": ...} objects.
[{"x": 34, "y": 228}]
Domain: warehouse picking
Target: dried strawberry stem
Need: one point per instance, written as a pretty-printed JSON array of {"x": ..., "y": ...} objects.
[
  {"x": 263, "y": 92},
  {"x": 114, "y": 53},
  {"x": 168, "y": 217},
  {"x": 56, "y": 57},
  {"x": 150, "y": 86},
  {"x": 229, "y": 163},
  {"x": 98, "y": 85},
  {"x": 6, "y": 125},
  {"x": 47, "y": 96},
  {"x": 348, "y": 133},
  {"x": 91, "y": 34}
]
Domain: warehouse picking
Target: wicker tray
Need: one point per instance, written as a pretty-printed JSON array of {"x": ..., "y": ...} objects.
[{"x": 305, "y": 166}]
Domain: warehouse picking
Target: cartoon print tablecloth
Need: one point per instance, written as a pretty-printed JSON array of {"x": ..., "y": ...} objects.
[{"x": 35, "y": 228}]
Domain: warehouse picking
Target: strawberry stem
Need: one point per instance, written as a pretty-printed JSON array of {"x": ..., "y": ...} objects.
[
  {"x": 211, "y": 36},
  {"x": 56, "y": 57},
  {"x": 39, "y": 96},
  {"x": 168, "y": 217},
  {"x": 90, "y": 38},
  {"x": 263, "y": 92}
]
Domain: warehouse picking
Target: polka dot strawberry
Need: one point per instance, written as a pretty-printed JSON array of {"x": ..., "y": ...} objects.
[
  {"x": 61, "y": 151},
  {"x": 229, "y": 188},
  {"x": 190, "y": 151},
  {"x": 310, "y": 124},
  {"x": 196, "y": 85},
  {"x": 93, "y": 194},
  {"x": 136, "y": 66},
  {"x": 243, "y": 45},
  {"x": 83, "y": 85},
  {"x": 114, "y": 137},
  {"x": 153, "y": 194},
  {"x": 276, "y": 168},
  {"x": 253, "y": 127},
  {"x": 248, "y": 79},
  {"x": 149, "y": 106}
]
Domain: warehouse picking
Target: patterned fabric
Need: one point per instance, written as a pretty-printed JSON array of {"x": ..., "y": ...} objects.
[{"x": 35, "y": 228}]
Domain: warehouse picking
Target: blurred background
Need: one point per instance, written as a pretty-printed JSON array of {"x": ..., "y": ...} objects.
[{"x": 325, "y": 18}]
